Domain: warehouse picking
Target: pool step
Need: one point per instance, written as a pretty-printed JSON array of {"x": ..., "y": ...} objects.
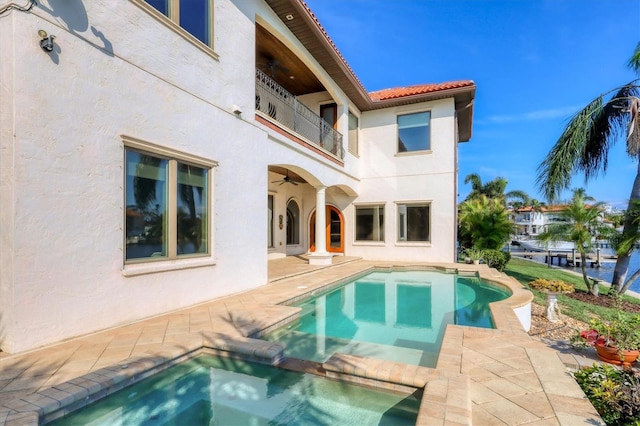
[{"x": 445, "y": 400}]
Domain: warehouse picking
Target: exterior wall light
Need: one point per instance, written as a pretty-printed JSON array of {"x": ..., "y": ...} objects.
[{"x": 46, "y": 41}]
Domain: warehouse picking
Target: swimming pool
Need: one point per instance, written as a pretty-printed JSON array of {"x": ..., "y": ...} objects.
[
  {"x": 393, "y": 315},
  {"x": 218, "y": 390}
]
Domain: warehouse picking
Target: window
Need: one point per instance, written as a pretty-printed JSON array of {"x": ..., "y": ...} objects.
[
  {"x": 413, "y": 222},
  {"x": 413, "y": 132},
  {"x": 353, "y": 133},
  {"x": 194, "y": 16},
  {"x": 370, "y": 223},
  {"x": 167, "y": 207},
  {"x": 270, "y": 221},
  {"x": 293, "y": 223}
]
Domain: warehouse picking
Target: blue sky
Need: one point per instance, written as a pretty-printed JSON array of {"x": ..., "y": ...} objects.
[{"x": 535, "y": 64}]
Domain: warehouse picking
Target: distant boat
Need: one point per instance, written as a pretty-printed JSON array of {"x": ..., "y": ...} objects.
[{"x": 536, "y": 245}]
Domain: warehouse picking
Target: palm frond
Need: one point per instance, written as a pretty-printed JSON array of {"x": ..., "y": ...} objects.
[
  {"x": 521, "y": 195},
  {"x": 556, "y": 170},
  {"x": 585, "y": 143},
  {"x": 634, "y": 61}
]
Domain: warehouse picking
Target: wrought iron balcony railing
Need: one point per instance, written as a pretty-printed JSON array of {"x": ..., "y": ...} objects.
[{"x": 276, "y": 102}]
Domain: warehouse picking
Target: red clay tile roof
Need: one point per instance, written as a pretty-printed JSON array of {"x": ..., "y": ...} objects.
[{"x": 400, "y": 92}]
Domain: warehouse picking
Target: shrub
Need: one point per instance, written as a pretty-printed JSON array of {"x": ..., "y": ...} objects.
[
  {"x": 556, "y": 286},
  {"x": 496, "y": 258},
  {"x": 614, "y": 393},
  {"x": 474, "y": 253}
]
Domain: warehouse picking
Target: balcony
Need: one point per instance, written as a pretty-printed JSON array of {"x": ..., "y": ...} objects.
[{"x": 275, "y": 103}]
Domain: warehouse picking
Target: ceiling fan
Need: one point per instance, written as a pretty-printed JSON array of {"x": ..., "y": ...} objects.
[
  {"x": 286, "y": 179},
  {"x": 273, "y": 68}
]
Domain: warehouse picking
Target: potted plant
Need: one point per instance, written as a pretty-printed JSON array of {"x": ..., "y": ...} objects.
[
  {"x": 617, "y": 341},
  {"x": 475, "y": 254}
]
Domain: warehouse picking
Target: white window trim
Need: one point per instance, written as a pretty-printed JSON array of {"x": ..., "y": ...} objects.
[
  {"x": 136, "y": 269},
  {"x": 147, "y": 266},
  {"x": 420, "y": 151},
  {"x": 357, "y": 242},
  {"x": 175, "y": 26},
  {"x": 300, "y": 220},
  {"x": 355, "y": 153},
  {"x": 404, "y": 243}
]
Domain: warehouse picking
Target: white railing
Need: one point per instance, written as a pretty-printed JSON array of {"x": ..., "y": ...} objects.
[{"x": 276, "y": 102}]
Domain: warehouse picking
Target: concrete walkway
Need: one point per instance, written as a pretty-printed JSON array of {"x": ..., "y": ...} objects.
[{"x": 483, "y": 376}]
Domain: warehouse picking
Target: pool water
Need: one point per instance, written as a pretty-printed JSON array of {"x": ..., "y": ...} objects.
[
  {"x": 399, "y": 316},
  {"x": 211, "y": 390}
]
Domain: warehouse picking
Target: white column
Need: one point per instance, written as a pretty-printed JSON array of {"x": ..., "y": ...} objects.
[
  {"x": 320, "y": 256},
  {"x": 321, "y": 221}
]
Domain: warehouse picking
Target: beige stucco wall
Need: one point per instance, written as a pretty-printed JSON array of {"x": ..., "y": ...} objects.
[
  {"x": 115, "y": 71},
  {"x": 389, "y": 178},
  {"x": 62, "y": 155}
]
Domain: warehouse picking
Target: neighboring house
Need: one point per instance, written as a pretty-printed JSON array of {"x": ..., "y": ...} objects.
[
  {"x": 531, "y": 222},
  {"x": 155, "y": 157}
]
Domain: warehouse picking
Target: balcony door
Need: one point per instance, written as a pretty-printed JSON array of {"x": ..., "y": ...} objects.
[
  {"x": 334, "y": 231},
  {"x": 329, "y": 115}
]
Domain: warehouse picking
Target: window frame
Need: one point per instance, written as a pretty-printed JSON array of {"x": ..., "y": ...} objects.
[
  {"x": 381, "y": 206},
  {"x": 271, "y": 233},
  {"x": 294, "y": 229},
  {"x": 353, "y": 145},
  {"x": 400, "y": 223},
  {"x": 172, "y": 21},
  {"x": 417, "y": 151},
  {"x": 172, "y": 260}
]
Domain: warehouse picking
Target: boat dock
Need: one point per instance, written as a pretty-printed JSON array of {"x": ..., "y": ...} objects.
[{"x": 570, "y": 258}]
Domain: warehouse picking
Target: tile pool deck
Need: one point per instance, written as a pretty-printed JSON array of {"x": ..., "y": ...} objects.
[{"x": 484, "y": 377}]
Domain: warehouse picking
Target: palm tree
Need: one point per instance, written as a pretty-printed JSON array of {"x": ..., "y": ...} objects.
[
  {"x": 484, "y": 223},
  {"x": 536, "y": 205},
  {"x": 584, "y": 147},
  {"x": 492, "y": 189},
  {"x": 579, "y": 222}
]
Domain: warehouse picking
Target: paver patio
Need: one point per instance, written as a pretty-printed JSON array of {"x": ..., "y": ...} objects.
[{"x": 483, "y": 376}]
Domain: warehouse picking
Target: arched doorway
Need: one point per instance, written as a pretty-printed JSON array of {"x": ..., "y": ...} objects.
[{"x": 334, "y": 230}]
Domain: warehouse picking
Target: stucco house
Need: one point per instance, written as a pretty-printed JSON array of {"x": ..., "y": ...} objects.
[
  {"x": 530, "y": 222},
  {"x": 154, "y": 156}
]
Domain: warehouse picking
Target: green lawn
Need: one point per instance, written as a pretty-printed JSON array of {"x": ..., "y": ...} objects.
[{"x": 526, "y": 271}]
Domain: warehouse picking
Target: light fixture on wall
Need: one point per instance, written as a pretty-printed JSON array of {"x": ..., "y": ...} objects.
[
  {"x": 236, "y": 109},
  {"x": 46, "y": 41}
]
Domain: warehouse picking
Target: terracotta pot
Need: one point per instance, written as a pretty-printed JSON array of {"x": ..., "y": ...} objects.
[{"x": 611, "y": 355}]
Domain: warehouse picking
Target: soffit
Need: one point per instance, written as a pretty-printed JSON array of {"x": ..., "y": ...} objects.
[
  {"x": 308, "y": 30},
  {"x": 283, "y": 66}
]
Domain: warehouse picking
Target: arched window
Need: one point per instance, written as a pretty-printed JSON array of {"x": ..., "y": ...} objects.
[{"x": 293, "y": 223}]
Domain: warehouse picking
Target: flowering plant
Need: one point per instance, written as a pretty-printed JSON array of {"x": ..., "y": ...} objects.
[{"x": 621, "y": 332}]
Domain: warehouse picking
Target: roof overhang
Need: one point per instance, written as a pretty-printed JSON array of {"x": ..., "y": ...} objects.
[{"x": 304, "y": 25}]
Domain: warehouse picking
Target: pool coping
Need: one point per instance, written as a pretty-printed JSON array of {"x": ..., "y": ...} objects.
[{"x": 446, "y": 388}]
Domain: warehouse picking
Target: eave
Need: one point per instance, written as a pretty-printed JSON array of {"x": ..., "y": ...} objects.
[{"x": 307, "y": 29}]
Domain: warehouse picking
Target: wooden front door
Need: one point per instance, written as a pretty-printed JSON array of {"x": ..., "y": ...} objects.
[{"x": 334, "y": 230}]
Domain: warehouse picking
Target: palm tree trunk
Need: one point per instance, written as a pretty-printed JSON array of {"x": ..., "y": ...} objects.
[
  {"x": 583, "y": 266},
  {"x": 630, "y": 281},
  {"x": 629, "y": 227}
]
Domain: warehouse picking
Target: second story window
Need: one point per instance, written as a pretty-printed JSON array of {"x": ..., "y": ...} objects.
[
  {"x": 194, "y": 16},
  {"x": 414, "y": 132},
  {"x": 353, "y": 133}
]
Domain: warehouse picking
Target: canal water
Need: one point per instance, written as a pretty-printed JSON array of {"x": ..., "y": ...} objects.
[{"x": 604, "y": 272}]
